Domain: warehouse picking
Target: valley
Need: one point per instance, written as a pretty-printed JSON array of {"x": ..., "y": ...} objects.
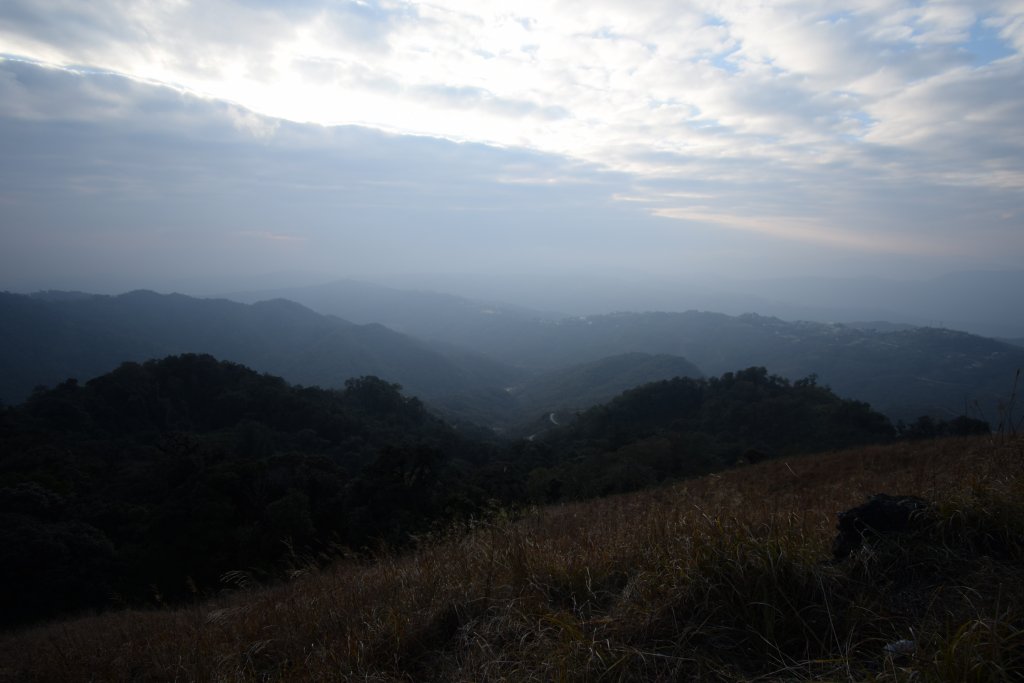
[{"x": 500, "y": 366}]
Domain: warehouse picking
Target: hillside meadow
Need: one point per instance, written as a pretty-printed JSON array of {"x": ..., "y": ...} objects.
[{"x": 725, "y": 577}]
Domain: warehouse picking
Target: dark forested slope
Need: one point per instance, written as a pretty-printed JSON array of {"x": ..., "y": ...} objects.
[
  {"x": 154, "y": 480},
  {"x": 682, "y": 427},
  {"x": 157, "y": 479}
]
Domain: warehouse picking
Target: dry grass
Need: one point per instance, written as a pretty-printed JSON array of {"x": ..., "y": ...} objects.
[{"x": 720, "y": 578}]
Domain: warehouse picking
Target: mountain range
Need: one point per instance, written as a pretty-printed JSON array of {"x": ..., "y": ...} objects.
[
  {"x": 50, "y": 337},
  {"x": 980, "y": 302},
  {"x": 902, "y": 369},
  {"x": 494, "y": 365}
]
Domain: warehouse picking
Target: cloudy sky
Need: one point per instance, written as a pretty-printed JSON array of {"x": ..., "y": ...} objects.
[{"x": 155, "y": 143}]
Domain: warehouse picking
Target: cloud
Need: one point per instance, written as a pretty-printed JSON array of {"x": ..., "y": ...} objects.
[
  {"x": 583, "y": 79},
  {"x": 164, "y": 181},
  {"x": 266, "y": 235},
  {"x": 251, "y": 123},
  {"x": 801, "y": 229},
  {"x": 843, "y": 115},
  {"x": 969, "y": 118}
]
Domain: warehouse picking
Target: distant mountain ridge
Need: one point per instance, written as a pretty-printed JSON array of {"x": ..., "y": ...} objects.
[
  {"x": 902, "y": 373},
  {"x": 426, "y": 314},
  {"x": 902, "y": 370},
  {"x": 980, "y": 302},
  {"x": 44, "y": 340},
  {"x": 501, "y": 366}
]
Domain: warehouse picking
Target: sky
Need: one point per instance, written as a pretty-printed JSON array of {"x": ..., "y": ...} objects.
[{"x": 203, "y": 146}]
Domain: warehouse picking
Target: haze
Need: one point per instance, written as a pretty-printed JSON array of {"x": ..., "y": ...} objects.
[{"x": 572, "y": 156}]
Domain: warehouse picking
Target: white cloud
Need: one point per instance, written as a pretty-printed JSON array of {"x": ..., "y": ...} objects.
[
  {"x": 253, "y": 124},
  {"x": 716, "y": 92}
]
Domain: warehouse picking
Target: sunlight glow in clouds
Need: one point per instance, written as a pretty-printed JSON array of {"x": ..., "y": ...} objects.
[
  {"x": 805, "y": 230},
  {"x": 594, "y": 79},
  {"x": 719, "y": 95}
]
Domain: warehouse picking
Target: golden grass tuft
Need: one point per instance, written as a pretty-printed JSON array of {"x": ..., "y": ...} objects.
[{"x": 727, "y": 577}]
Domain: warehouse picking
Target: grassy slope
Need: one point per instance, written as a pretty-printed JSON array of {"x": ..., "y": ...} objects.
[{"x": 718, "y": 578}]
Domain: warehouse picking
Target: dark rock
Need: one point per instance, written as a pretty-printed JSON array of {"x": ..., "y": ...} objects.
[{"x": 882, "y": 515}]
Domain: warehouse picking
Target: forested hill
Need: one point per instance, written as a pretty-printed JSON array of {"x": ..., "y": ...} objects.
[
  {"x": 683, "y": 427},
  {"x": 156, "y": 479},
  {"x": 159, "y": 479},
  {"x": 45, "y": 339}
]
